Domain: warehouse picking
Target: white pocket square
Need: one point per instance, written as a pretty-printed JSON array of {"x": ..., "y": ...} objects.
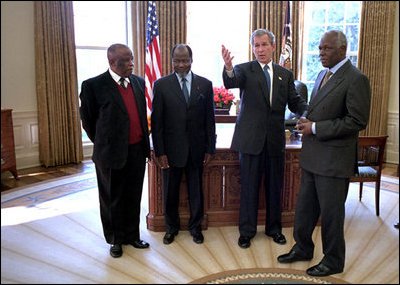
[{"x": 280, "y": 78}]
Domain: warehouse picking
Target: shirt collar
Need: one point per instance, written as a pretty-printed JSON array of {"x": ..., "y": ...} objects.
[
  {"x": 337, "y": 66},
  {"x": 269, "y": 65},
  {"x": 188, "y": 77},
  {"x": 115, "y": 76}
]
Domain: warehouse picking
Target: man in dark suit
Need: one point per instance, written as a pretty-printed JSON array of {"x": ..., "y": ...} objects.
[
  {"x": 113, "y": 113},
  {"x": 339, "y": 109},
  {"x": 265, "y": 90},
  {"x": 183, "y": 132}
]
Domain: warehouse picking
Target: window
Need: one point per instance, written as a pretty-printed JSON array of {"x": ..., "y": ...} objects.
[
  {"x": 96, "y": 28},
  {"x": 211, "y": 24},
  {"x": 319, "y": 17}
]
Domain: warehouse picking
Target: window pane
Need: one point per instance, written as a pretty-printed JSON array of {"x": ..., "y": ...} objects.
[
  {"x": 352, "y": 32},
  {"x": 99, "y": 23},
  {"x": 205, "y": 35},
  {"x": 313, "y": 67},
  {"x": 322, "y": 16},
  {"x": 90, "y": 63},
  {"x": 318, "y": 13},
  {"x": 353, "y": 12},
  {"x": 314, "y": 37},
  {"x": 336, "y": 12}
]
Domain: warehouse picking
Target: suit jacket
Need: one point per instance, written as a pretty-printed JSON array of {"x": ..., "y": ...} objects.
[
  {"x": 257, "y": 121},
  {"x": 179, "y": 128},
  {"x": 340, "y": 109},
  {"x": 106, "y": 121}
]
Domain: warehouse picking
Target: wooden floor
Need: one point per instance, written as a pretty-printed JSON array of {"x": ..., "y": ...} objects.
[{"x": 39, "y": 250}]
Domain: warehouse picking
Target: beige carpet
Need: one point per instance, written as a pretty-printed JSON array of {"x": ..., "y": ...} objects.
[{"x": 51, "y": 233}]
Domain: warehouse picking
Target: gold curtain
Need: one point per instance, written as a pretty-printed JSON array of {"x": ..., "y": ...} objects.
[
  {"x": 375, "y": 57},
  {"x": 139, "y": 20},
  {"x": 268, "y": 15},
  {"x": 60, "y": 135},
  {"x": 295, "y": 21},
  {"x": 171, "y": 16}
]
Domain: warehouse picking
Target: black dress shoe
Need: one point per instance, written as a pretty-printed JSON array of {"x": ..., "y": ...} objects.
[
  {"x": 139, "y": 243},
  {"x": 244, "y": 242},
  {"x": 169, "y": 237},
  {"x": 115, "y": 250},
  {"x": 321, "y": 270},
  {"x": 278, "y": 238},
  {"x": 292, "y": 256},
  {"x": 198, "y": 237}
]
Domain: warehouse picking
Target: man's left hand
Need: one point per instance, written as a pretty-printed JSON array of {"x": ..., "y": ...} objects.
[{"x": 207, "y": 158}]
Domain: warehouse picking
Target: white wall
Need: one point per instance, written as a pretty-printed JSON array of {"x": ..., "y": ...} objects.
[
  {"x": 18, "y": 87},
  {"x": 392, "y": 145}
]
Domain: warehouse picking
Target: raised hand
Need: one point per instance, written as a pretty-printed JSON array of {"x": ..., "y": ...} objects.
[{"x": 226, "y": 56}]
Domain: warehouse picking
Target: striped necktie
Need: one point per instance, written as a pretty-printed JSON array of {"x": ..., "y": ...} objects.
[
  {"x": 326, "y": 78},
  {"x": 122, "y": 82},
  {"x": 185, "y": 90}
]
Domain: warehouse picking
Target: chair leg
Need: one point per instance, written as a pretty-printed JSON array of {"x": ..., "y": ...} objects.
[
  {"x": 360, "y": 192},
  {"x": 377, "y": 188}
]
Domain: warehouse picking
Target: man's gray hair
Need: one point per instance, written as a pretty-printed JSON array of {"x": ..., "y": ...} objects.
[
  {"x": 261, "y": 32},
  {"x": 113, "y": 48},
  {"x": 341, "y": 39}
]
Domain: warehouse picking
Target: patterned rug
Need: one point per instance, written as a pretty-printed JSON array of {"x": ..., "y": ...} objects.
[{"x": 266, "y": 276}]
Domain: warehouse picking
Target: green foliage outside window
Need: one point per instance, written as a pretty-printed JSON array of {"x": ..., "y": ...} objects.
[{"x": 322, "y": 16}]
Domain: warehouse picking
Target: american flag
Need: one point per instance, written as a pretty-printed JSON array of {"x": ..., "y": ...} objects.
[
  {"x": 153, "y": 59},
  {"x": 286, "y": 52}
]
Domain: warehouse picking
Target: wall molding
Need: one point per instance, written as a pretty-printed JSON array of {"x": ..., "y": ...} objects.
[
  {"x": 392, "y": 143},
  {"x": 26, "y": 137}
]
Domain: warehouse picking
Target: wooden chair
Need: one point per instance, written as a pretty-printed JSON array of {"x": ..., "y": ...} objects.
[{"x": 370, "y": 161}]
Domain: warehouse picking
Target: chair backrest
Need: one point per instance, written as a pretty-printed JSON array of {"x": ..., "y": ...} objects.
[
  {"x": 291, "y": 118},
  {"x": 371, "y": 150},
  {"x": 301, "y": 89}
]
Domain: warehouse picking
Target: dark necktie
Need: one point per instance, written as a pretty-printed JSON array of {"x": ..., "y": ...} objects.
[
  {"x": 122, "y": 82},
  {"x": 268, "y": 81},
  {"x": 185, "y": 90},
  {"x": 326, "y": 78}
]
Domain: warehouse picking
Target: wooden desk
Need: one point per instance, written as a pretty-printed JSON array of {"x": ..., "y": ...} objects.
[{"x": 221, "y": 185}]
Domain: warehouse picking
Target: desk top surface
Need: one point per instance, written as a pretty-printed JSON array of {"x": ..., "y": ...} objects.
[{"x": 225, "y": 134}]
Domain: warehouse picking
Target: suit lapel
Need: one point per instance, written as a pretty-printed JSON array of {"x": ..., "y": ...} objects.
[
  {"x": 194, "y": 89},
  {"x": 176, "y": 87},
  {"x": 136, "y": 92},
  {"x": 318, "y": 95},
  {"x": 255, "y": 67},
  {"x": 111, "y": 88},
  {"x": 277, "y": 80}
]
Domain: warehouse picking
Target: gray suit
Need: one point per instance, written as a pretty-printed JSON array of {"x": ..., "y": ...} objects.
[{"x": 340, "y": 109}]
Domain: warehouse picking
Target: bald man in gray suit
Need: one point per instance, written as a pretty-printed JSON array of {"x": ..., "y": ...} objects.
[{"x": 338, "y": 110}]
